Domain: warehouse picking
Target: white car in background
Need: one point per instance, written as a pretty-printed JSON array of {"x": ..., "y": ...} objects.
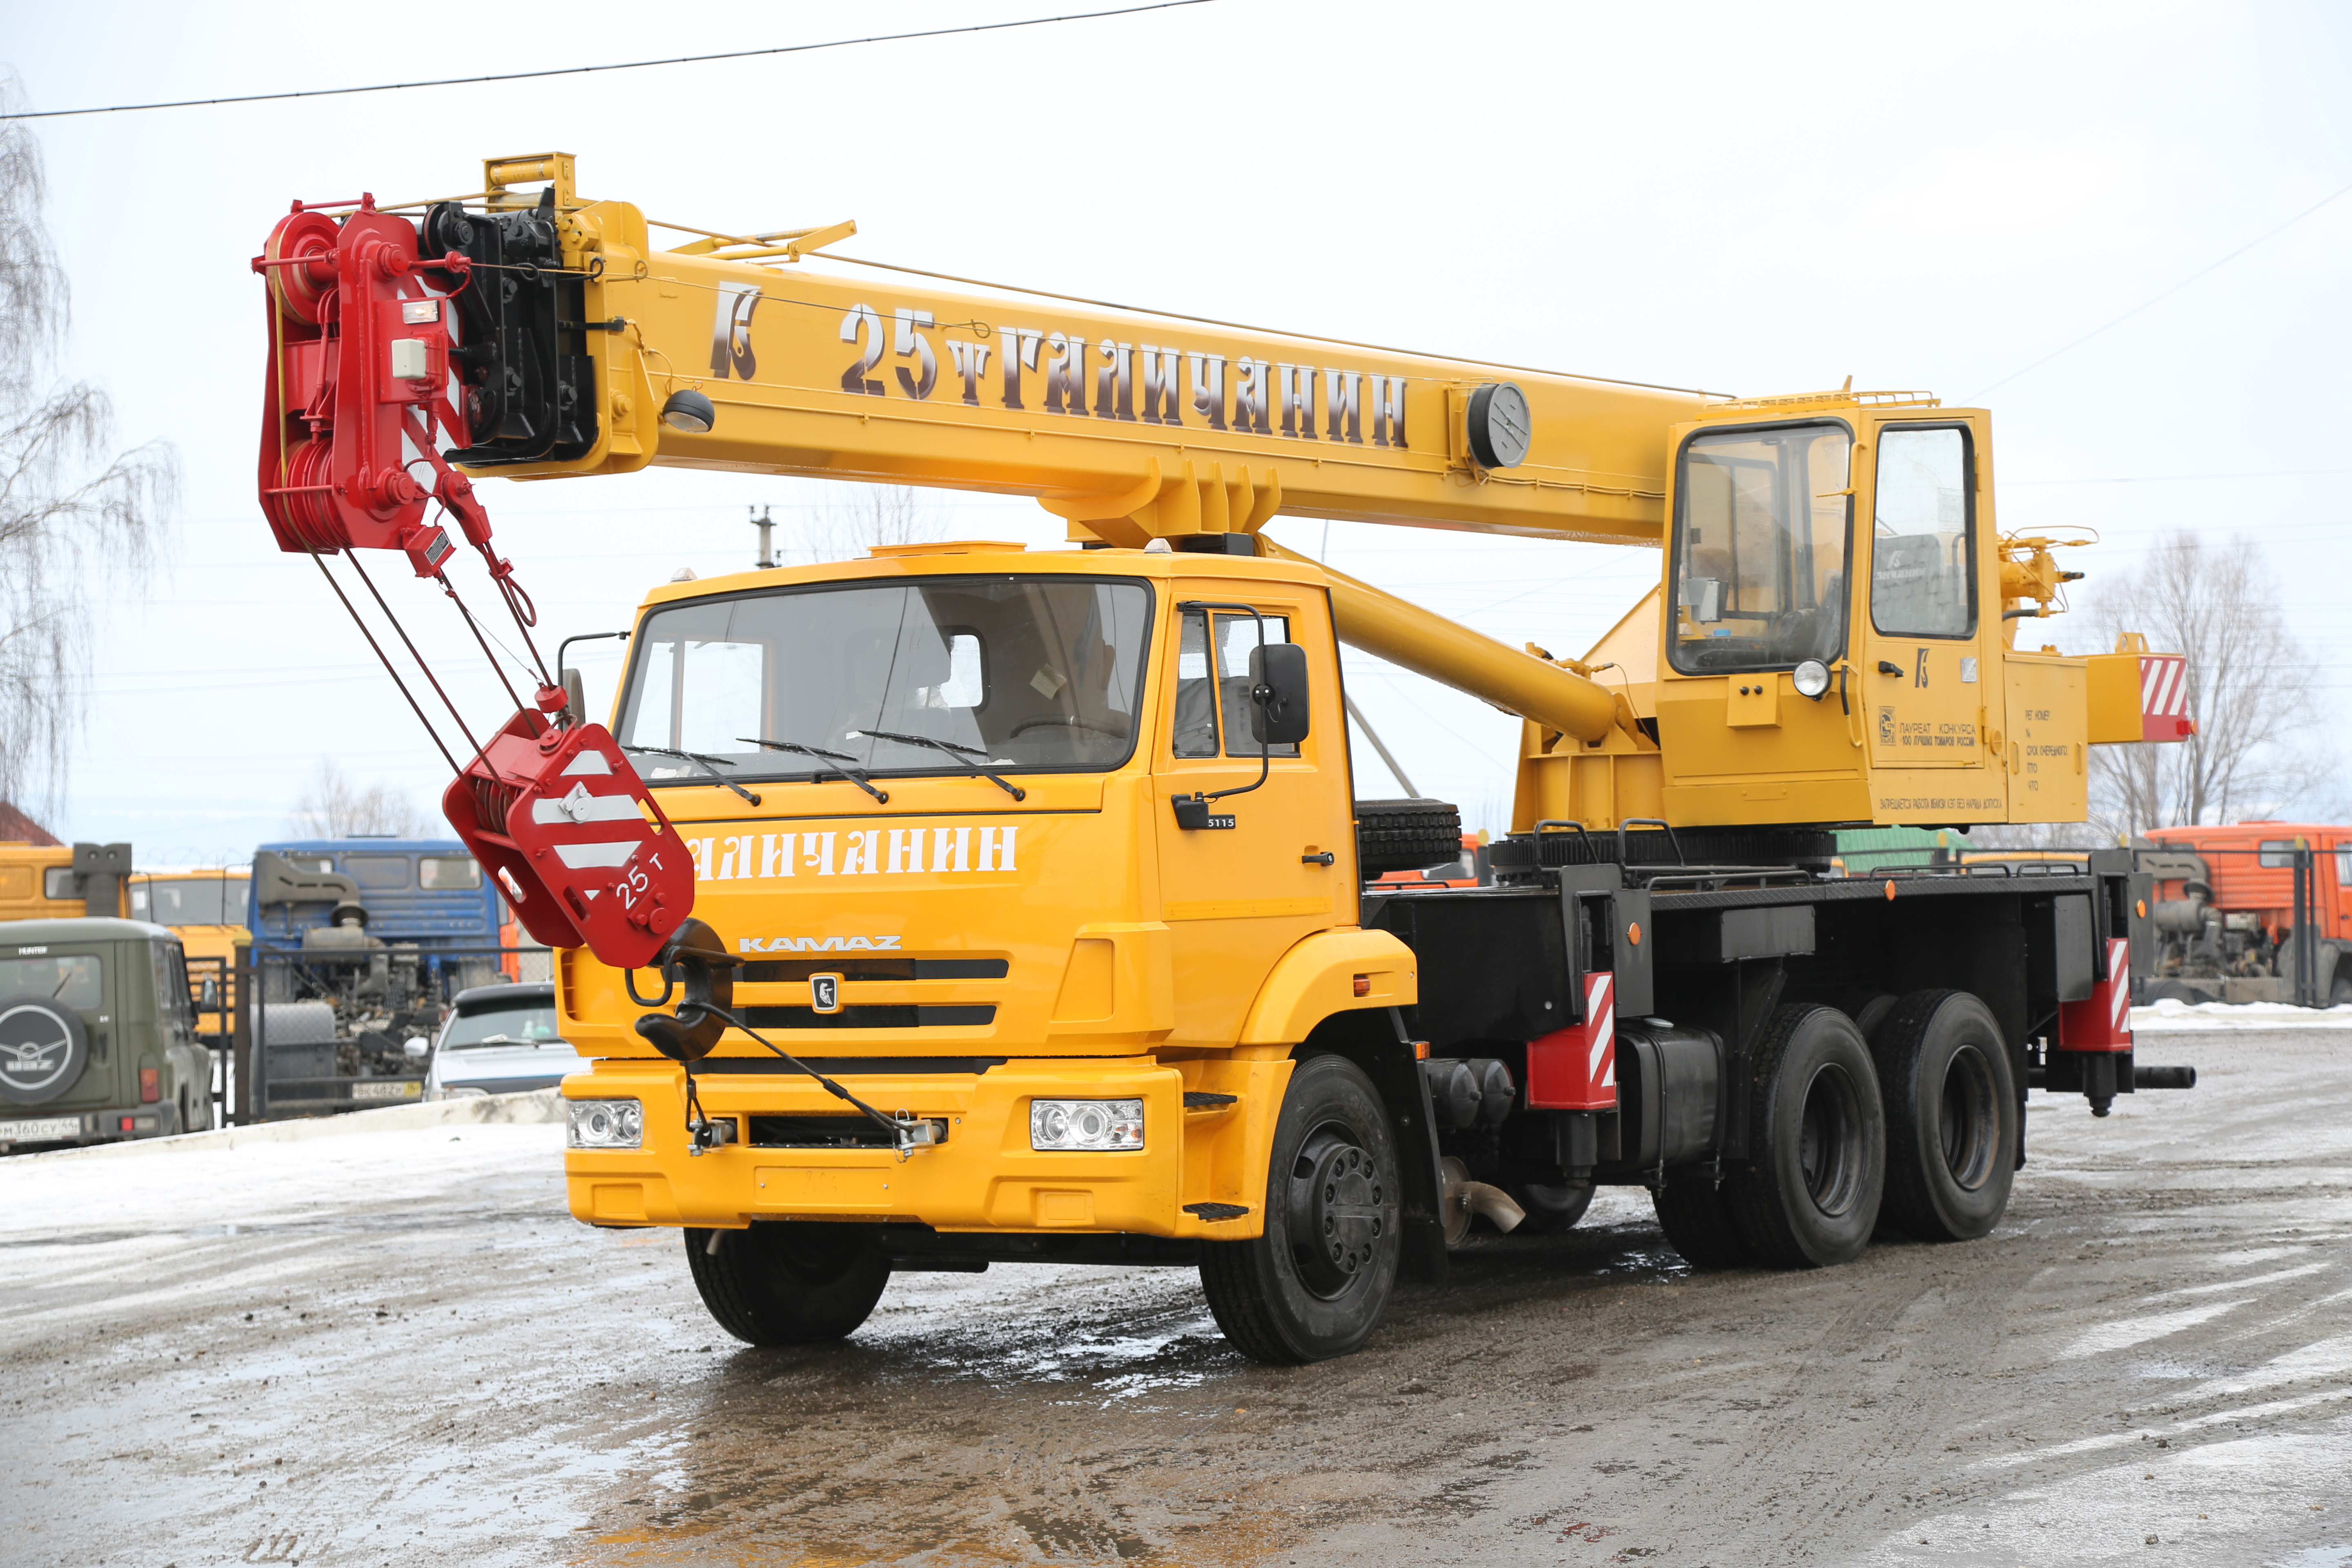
[{"x": 499, "y": 1040}]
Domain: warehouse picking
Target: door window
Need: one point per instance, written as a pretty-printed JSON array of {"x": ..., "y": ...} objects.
[
  {"x": 1214, "y": 711},
  {"x": 1759, "y": 573},
  {"x": 378, "y": 873},
  {"x": 1923, "y": 536}
]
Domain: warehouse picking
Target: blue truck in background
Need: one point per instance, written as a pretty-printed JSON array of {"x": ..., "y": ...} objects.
[{"x": 358, "y": 946}]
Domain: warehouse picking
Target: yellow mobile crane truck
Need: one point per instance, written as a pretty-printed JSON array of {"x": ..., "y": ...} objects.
[{"x": 1030, "y": 915}]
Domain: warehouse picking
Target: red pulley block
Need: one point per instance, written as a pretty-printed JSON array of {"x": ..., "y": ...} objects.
[{"x": 571, "y": 832}]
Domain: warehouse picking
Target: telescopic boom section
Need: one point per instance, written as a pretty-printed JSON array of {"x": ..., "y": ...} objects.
[{"x": 1129, "y": 427}]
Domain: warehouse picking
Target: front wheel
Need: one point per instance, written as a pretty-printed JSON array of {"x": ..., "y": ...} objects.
[
  {"x": 779, "y": 1283},
  {"x": 1313, "y": 1286}
]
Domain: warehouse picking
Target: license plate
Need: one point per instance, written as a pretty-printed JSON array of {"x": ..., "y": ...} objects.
[
  {"x": 40, "y": 1130},
  {"x": 394, "y": 1089}
]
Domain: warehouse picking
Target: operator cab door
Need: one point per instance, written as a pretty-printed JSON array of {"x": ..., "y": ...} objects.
[
  {"x": 1234, "y": 898},
  {"x": 1923, "y": 651}
]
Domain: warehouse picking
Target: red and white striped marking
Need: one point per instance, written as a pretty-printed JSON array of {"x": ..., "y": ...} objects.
[
  {"x": 1575, "y": 1068},
  {"x": 2101, "y": 1021},
  {"x": 2164, "y": 698}
]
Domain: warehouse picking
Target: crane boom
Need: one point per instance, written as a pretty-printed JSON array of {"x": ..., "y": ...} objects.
[{"x": 1132, "y": 425}]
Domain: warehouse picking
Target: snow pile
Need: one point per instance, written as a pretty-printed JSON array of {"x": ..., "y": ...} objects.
[
  {"x": 2172, "y": 1013},
  {"x": 219, "y": 1185}
]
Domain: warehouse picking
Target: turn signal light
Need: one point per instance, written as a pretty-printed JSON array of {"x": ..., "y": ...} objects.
[{"x": 150, "y": 1085}]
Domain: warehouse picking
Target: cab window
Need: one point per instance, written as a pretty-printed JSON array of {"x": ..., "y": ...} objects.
[
  {"x": 445, "y": 872},
  {"x": 1923, "y": 534},
  {"x": 1759, "y": 568},
  {"x": 1212, "y": 689},
  {"x": 2276, "y": 854},
  {"x": 383, "y": 873}
]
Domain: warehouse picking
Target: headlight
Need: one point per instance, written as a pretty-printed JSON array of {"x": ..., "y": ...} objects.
[
  {"x": 1086, "y": 1124},
  {"x": 606, "y": 1125},
  {"x": 1812, "y": 678}
]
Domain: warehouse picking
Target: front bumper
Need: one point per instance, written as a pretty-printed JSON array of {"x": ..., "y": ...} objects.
[{"x": 984, "y": 1177}]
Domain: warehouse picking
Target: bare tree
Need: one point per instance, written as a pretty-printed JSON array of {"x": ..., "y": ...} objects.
[
  {"x": 2250, "y": 691},
  {"x": 861, "y": 516},
  {"x": 73, "y": 513},
  {"x": 332, "y": 806}
]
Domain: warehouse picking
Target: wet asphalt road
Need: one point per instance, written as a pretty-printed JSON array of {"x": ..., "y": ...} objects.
[{"x": 408, "y": 1352}]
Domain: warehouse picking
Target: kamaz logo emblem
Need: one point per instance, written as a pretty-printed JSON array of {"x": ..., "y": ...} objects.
[
  {"x": 824, "y": 992},
  {"x": 816, "y": 945}
]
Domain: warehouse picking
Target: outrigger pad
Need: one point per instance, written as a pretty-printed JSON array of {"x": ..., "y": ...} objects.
[{"x": 574, "y": 839}]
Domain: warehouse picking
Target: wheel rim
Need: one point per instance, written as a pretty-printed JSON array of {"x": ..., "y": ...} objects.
[
  {"x": 1340, "y": 1207},
  {"x": 1967, "y": 1118},
  {"x": 1827, "y": 1139}
]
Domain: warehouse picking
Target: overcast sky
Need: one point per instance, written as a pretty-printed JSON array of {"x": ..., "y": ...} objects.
[{"x": 1748, "y": 198}]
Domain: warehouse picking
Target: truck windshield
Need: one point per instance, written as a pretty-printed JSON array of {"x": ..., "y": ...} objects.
[
  {"x": 1012, "y": 672},
  {"x": 1761, "y": 524},
  {"x": 196, "y": 901}
]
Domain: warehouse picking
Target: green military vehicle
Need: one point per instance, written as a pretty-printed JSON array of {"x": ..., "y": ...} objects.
[{"x": 98, "y": 1034}]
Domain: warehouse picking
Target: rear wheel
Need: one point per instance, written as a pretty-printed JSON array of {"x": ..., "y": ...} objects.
[
  {"x": 1313, "y": 1286},
  {"x": 1696, "y": 1213},
  {"x": 779, "y": 1283},
  {"x": 1952, "y": 1116},
  {"x": 1817, "y": 1134}
]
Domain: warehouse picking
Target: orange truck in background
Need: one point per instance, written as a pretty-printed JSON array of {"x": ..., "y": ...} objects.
[{"x": 2225, "y": 913}]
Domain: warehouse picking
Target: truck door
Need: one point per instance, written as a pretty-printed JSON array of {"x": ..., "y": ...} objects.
[
  {"x": 1235, "y": 897},
  {"x": 1923, "y": 651}
]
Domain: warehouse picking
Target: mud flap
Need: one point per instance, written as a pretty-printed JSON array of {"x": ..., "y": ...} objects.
[{"x": 1395, "y": 1067}]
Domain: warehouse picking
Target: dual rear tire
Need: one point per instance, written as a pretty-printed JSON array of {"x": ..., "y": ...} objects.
[{"x": 1916, "y": 1127}]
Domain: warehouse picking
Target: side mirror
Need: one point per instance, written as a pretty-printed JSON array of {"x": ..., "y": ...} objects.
[
  {"x": 575, "y": 695},
  {"x": 1277, "y": 675},
  {"x": 208, "y": 995},
  {"x": 416, "y": 1048}
]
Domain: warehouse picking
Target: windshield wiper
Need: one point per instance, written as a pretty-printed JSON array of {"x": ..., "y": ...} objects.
[
  {"x": 952, "y": 750},
  {"x": 852, "y": 775},
  {"x": 707, "y": 766}
]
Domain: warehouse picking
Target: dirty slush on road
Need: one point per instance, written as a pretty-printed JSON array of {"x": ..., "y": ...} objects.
[{"x": 432, "y": 1362}]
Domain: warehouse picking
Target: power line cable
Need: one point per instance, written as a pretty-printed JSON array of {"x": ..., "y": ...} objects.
[
  {"x": 2168, "y": 294},
  {"x": 582, "y": 70}
]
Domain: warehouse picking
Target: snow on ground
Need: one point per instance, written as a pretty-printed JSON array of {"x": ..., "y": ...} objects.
[
  {"x": 226, "y": 1183},
  {"x": 2170, "y": 1013}
]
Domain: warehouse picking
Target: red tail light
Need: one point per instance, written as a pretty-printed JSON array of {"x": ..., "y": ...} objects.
[{"x": 150, "y": 1085}]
